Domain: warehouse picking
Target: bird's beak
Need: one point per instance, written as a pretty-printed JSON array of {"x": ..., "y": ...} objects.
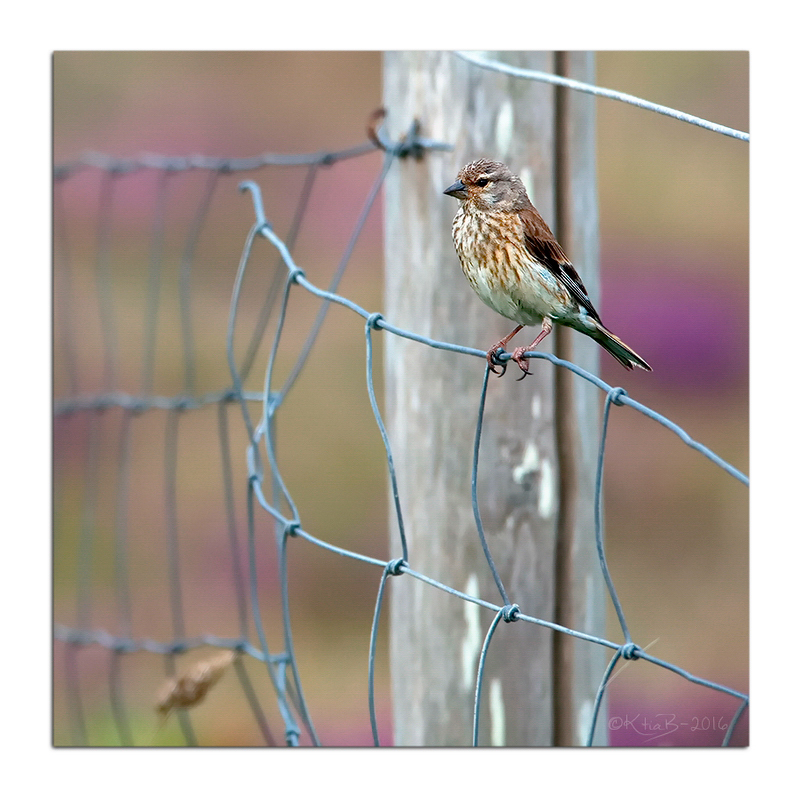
[{"x": 457, "y": 190}]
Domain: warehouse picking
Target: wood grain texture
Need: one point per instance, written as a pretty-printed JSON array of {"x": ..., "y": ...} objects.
[
  {"x": 580, "y": 594},
  {"x": 432, "y": 404}
]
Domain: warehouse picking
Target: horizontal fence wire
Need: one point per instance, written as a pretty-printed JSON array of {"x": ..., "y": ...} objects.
[
  {"x": 266, "y": 488},
  {"x": 598, "y": 91}
]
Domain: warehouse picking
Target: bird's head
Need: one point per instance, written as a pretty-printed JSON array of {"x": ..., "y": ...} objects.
[{"x": 489, "y": 185}]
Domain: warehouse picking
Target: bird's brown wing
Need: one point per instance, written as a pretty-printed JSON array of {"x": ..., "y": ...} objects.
[{"x": 542, "y": 245}]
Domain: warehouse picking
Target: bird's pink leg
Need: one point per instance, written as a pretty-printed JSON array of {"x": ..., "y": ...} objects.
[
  {"x": 519, "y": 352},
  {"x": 501, "y": 345}
]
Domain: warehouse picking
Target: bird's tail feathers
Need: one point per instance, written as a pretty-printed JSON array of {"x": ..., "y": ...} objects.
[{"x": 627, "y": 357}]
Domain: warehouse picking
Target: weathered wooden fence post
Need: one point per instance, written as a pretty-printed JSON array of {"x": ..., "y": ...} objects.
[{"x": 539, "y": 442}]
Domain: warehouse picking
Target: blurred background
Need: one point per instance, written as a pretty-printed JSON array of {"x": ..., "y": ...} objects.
[{"x": 674, "y": 236}]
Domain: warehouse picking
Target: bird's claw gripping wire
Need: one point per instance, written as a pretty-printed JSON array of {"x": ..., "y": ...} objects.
[{"x": 491, "y": 357}]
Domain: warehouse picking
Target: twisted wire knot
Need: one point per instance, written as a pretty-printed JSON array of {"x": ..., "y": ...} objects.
[
  {"x": 295, "y": 273},
  {"x": 274, "y": 399},
  {"x": 372, "y": 320},
  {"x": 615, "y": 394},
  {"x": 138, "y": 406},
  {"x": 123, "y": 646},
  {"x": 510, "y": 612},
  {"x": 410, "y": 144},
  {"x": 292, "y": 735},
  {"x": 629, "y": 651},
  {"x": 395, "y": 566},
  {"x": 182, "y": 403}
]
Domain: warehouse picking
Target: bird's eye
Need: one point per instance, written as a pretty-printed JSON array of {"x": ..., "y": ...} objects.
[{"x": 482, "y": 181}]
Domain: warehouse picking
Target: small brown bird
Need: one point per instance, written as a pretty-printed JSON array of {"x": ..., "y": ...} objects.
[{"x": 516, "y": 266}]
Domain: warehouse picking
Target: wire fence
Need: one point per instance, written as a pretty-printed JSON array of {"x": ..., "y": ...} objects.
[{"x": 267, "y": 492}]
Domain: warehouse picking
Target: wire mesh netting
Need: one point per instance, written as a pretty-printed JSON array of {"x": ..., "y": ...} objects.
[{"x": 176, "y": 524}]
